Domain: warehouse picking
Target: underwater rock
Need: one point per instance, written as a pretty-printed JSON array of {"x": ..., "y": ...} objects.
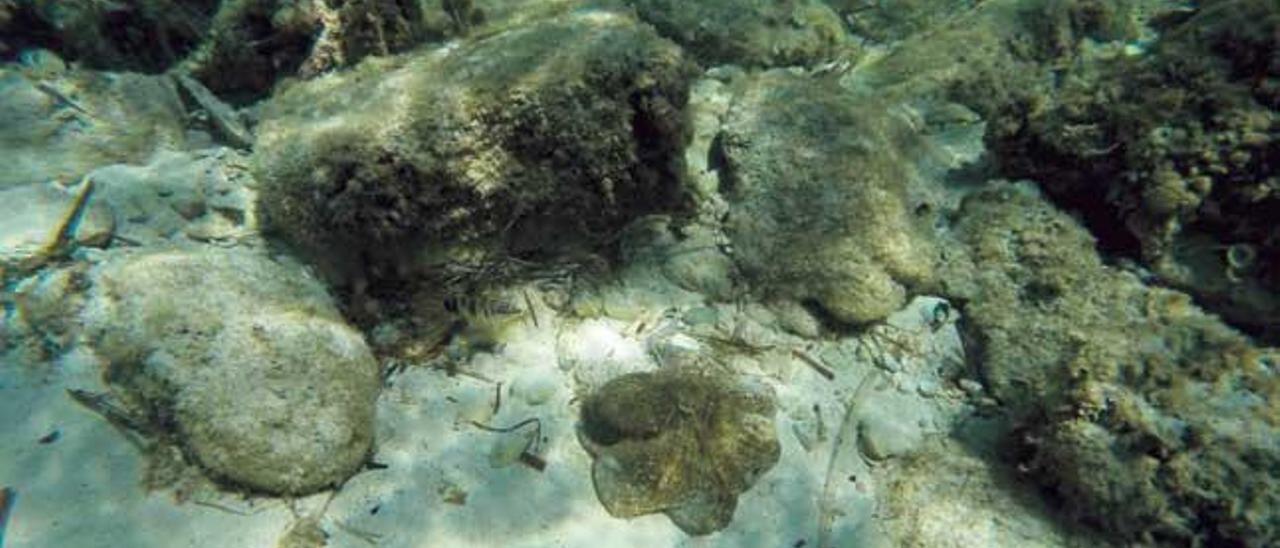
[
  {"x": 984, "y": 55},
  {"x": 818, "y": 187},
  {"x": 679, "y": 441},
  {"x": 242, "y": 362},
  {"x": 754, "y": 33},
  {"x": 1173, "y": 158},
  {"x": 60, "y": 128},
  {"x": 887, "y": 22},
  {"x": 688, "y": 254},
  {"x": 541, "y": 138},
  {"x": 33, "y": 218},
  {"x": 41, "y": 64},
  {"x": 206, "y": 195},
  {"x": 1143, "y": 415}
]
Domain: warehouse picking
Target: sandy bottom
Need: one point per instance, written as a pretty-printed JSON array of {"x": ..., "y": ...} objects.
[{"x": 447, "y": 482}]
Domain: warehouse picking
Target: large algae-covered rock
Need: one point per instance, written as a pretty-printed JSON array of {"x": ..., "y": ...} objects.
[
  {"x": 756, "y": 33},
  {"x": 985, "y": 55},
  {"x": 1141, "y": 414},
  {"x": 1173, "y": 157},
  {"x": 559, "y": 131},
  {"x": 60, "y": 126},
  {"x": 819, "y": 190},
  {"x": 680, "y": 441},
  {"x": 244, "y": 361}
]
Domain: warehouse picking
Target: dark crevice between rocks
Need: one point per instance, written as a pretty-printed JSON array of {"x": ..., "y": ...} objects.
[
  {"x": 26, "y": 30},
  {"x": 137, "y": 36}
]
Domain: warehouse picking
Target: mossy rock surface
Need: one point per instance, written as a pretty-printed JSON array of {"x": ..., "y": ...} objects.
[
  {"x": 133, "y": 35},
  {"x": 242, "y": 362},
  {"x": 250, "y": 45},
  {"x": 818, "y": 186},
  {"x": 1137, "y": 411},
  {"x": 553, "y": 134},
  {"x": 1172, "y": 157}
]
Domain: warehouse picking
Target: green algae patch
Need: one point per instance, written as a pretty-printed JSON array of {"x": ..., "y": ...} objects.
[
  {"x": 1171, "y": 156},
  {"x": 819, "y": 191}
]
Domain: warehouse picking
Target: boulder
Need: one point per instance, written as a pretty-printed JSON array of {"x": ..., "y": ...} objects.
[
  {"x": 241, "y": 361},
  {"x": 535, "y": 139},
  {"x": 819, "y": 193},
  {"x": 1142, "y": 414},
  {"x": 681, "y": 441}
]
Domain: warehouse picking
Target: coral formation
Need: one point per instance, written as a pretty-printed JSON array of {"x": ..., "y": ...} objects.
[
  {"x": 1172, "y": 157},
  {"x": 819, "y": 202},
  {"x": 886, "y": 22},
  {"x": 1137, "y": 411},
  {"x": 238, "y": 48},
  {"x": 243, "y": 362},
  {"x": 680, "y": 441},
  {"x": 542, "y": 138}
]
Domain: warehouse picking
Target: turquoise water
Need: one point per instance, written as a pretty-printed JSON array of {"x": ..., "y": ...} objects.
[{"x": 639, "y": 273}]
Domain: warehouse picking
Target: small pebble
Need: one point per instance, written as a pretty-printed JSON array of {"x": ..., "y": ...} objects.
[{"x": 881, "y": 436}]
